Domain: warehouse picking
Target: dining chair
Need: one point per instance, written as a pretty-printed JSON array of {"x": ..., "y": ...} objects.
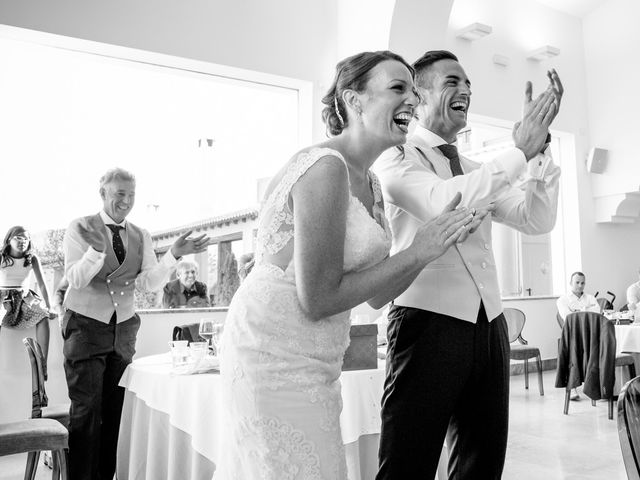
[
  {"x": 515, "y": 323},
  {"x": 587, "y": 354},
  {"x": 32, "y": 436},
  {"x": 40, "y": 407},
  {"x": 604, "y": 304},
  {"x": 629, "y": 427},
  {"x": 189, "y": 332}
]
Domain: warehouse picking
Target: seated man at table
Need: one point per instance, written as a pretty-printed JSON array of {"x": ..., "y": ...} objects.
[
  {"x": 577, "y": 300},
  {"x": 185, "y": 291},
  {"x": 633, "y": 298}
]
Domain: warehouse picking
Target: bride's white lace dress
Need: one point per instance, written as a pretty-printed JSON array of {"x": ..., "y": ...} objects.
[{"x": 280, "y": 369}]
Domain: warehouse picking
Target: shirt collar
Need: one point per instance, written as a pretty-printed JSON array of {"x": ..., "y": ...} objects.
[
  {"x": 431, "y": 139},
  {"x": 189, "y": 290},
  {"x": 109, "y": 221}
]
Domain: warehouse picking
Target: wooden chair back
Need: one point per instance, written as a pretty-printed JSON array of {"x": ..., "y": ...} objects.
[
  {"x": 629, "y": 427},
  {"x": 39, "y": 398}
]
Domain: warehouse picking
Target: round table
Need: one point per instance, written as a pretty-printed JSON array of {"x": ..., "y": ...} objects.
[{"x": 168, "y": 426}]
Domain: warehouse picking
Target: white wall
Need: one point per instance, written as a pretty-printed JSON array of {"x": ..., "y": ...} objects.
[{"x": 611, "y": 37}]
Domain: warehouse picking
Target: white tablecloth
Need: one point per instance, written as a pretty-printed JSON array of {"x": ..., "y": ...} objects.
[
  {"x": 168, "y": 428},
  {"x": 628, "y": 338}
]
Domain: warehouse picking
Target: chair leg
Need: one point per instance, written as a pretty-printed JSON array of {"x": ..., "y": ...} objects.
[
  {"x": 32, "y": 465},
  {"x": 526, "y": 374},
  {"x": 632, "y": 370},
  {"x": 55, "y": 475},
  {"x": 610, "y": 408},
  {"x": 567, "y": 395},
  {"x": 61, "y": 463},
  {"x": 540, "y": 384}
]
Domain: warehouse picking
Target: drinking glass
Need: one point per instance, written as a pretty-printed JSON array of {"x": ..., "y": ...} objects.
[
  {"x": 215, "y": 337},
  {"x": 206, "y": 329},
  {"x": 179, "y": 353}
]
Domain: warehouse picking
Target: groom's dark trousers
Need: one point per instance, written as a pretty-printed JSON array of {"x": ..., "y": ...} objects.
[{"x": 445, "y": 377}]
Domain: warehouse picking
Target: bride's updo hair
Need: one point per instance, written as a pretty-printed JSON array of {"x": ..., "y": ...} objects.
[{"x": 352, "y": 73}]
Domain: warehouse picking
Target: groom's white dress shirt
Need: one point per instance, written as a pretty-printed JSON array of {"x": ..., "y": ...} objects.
[{"x": 417, "y": 183}]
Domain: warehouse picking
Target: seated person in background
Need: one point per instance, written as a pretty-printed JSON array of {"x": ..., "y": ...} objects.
[
  {"x": 633, "y": 298},
  {"x": 185, "y": 290},
  {"x": 577, "y": 300}
]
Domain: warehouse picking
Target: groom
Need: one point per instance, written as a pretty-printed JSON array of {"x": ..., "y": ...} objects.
[{"x": 448, "y": 353}]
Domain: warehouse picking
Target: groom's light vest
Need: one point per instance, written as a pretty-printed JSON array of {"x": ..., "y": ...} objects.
[{"x": 113, "y": 286}]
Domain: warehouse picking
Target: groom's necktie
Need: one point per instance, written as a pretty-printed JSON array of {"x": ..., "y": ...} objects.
[
  {"x": 451, "y": 152},
  {"x": 118, "y": 245}
]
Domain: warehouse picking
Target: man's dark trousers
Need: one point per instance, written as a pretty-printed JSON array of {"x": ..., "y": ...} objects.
[
  {"x": 96, "y": 354},
  {"x": 450, "y": 377}
]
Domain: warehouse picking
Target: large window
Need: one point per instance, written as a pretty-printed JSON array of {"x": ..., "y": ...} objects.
[{"x": 200, "y": 138}]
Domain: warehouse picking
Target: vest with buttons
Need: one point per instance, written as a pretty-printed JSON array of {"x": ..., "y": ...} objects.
[
  {"x": 464, "y": 275},
  {"x": 112, "y": 288}
]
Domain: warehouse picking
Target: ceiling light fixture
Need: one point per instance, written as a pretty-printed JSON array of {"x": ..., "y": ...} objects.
[
  {"x": 474, "y": 31},
  {"x": 543, "y": 53},
  {"x": 501, "y": 60}
]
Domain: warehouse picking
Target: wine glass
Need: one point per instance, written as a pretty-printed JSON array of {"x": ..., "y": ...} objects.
[
  {"x": 206, "y": 329},
  {"x": 215, "y": 338}
]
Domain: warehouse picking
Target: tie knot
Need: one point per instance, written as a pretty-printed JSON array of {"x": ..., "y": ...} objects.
[
  {"x": 449, "y": 151},
  {"x": 115, "y": 229}
]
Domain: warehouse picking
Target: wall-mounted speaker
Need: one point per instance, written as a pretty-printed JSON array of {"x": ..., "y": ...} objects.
[{"x": 597, "y": 160}]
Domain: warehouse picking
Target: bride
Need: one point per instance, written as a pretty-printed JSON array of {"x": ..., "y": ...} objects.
[{"x": 322, "y": 248}]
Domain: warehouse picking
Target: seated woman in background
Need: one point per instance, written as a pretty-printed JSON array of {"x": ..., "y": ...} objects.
[{"x": 20, "y": 308}]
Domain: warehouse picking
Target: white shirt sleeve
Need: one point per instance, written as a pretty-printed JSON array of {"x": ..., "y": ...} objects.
[
  {"x": 82, "y": 262},
  {"x": 154, "y": 273},
  {"x": 592, "y": 304},
  {"x": 411, "y": 184},
  {"x": 531, "y": 207},
  {"x": 633, "y": 297},
  {"x": 563, "y": 306}
]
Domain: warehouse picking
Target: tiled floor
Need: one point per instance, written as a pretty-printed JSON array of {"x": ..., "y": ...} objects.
[{"x": 544, "y": 444}]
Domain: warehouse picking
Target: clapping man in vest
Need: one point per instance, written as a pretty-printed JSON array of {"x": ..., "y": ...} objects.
[
  {"x": 106, "y": 259},
  {"x": 448, "y": 351}
]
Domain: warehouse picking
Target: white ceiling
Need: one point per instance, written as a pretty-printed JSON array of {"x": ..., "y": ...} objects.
[{"x": 577, "y": 8}]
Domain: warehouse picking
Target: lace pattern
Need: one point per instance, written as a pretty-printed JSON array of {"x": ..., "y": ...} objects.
[{"x": 280, "y": 368}]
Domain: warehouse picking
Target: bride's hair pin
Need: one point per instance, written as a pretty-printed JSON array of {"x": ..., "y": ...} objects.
[{"x": 335, "y": 103}]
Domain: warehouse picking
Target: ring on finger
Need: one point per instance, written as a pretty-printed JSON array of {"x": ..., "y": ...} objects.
[{"x": 446, "y": 233}]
